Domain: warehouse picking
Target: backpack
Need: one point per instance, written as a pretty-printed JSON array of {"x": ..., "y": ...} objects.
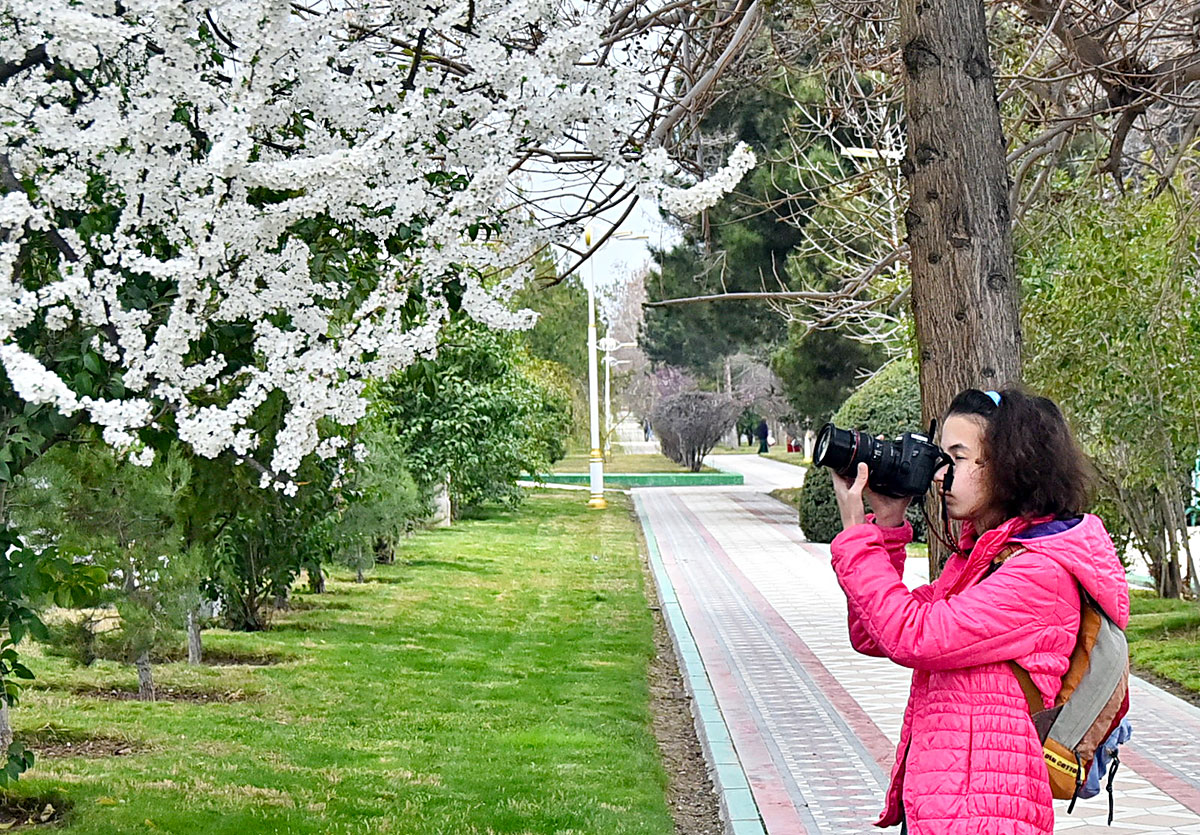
[{"x": 1081, "y": 732}]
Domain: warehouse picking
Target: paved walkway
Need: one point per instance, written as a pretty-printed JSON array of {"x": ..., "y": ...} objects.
[
  {"x": 629, "y": 435},
  {"x": 800, "y": 730}
]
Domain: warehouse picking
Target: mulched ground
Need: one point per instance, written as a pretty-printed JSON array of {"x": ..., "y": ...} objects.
[
  {"x": 690, "y": 791},
  {"x": 1172, "y": 687},
  {"x": 29, "y": 812},
  {"x": 93, "y": 748},
  {"x": 166, "y": 694},
  {"x": 225, "y": 658}
]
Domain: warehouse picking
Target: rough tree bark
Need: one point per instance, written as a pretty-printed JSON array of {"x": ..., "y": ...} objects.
[
  {"x": 6, "y": 734},
  {"x": 316, "y": 578},
  {"x": 195, "y": 647},
  {"x": 145, "y": 677},
  {"x": 964, "y": 297}
]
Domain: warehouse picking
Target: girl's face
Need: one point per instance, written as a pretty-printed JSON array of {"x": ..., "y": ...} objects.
[{"x": 969, "y": 494}]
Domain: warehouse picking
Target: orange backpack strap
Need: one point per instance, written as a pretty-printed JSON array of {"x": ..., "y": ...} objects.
[
  {"x": 1032, "y": 695},
  {"x": 1042, "y": 718}
]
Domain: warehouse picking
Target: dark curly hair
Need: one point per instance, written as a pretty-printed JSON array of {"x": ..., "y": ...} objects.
[{"x": 1035, "y": 464}]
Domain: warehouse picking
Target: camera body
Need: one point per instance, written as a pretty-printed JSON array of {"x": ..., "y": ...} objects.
[{"x": 899, "y": 468}]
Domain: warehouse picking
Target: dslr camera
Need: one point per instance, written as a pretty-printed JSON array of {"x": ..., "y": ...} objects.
[{"x": 899, "y": 468}]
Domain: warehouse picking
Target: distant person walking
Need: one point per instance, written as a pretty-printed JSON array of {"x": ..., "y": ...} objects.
[{"x": 762, "y": 433}]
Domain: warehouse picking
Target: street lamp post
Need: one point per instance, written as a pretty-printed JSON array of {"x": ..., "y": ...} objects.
[
  {"x": 596, "y": 461},
  {"x": 608, "y": 345}
]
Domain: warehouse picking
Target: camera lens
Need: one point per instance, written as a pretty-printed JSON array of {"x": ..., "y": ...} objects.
[{"x": 836, "y": 448}]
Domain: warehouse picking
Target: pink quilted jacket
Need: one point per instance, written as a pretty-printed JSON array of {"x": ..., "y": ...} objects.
[{"x": 969, "y": 760}]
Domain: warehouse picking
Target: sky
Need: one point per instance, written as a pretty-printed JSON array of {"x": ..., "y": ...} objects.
[{"x": 619, "y": 259}]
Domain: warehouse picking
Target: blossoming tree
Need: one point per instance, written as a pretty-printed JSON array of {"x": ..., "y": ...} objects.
[
  {"x": 212, "y": 209},
  {"x": 232, "y": 198}
]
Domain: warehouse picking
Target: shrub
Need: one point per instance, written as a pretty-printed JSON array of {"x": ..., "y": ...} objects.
[
  {"x": 888, "y": 404},
  {"x": 691, "y": 423},
  {"x": 480, "y": 413}
]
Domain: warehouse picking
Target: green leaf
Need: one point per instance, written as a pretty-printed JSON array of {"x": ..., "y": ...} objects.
[
  {"x": 14, "y": 768},
  {"x": 38, "y": 629}
]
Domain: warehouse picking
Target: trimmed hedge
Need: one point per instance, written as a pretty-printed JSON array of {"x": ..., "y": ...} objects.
[{"x": 889, "y": 404}]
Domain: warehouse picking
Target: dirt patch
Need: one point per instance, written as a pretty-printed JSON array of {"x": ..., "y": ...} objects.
[
  {"x": 238, "y": 658},
  {"x": 313, "y": 602},
  {"x": 29, "y": 812},
  {"x": 165, "y": 694},
  {"x": 55, "y": 743},
  {"x": 690, "y": 790},
  {"x": 1172, "y": 687}
]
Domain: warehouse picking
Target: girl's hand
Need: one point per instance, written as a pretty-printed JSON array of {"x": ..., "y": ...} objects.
[
  {"x": 889, "y": 511},
  {"x": 849, "y": 494}
]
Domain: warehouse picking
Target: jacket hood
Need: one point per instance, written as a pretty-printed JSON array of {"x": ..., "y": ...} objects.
[{"x": 1087, "y": 552}]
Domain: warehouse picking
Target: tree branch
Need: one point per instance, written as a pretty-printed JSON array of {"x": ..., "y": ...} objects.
[
  {"x": 32, "y": 58},
  {"x": 738, "y": 42}
]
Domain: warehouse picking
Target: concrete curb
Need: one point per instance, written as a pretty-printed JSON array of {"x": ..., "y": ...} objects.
[{"x": 739, "y": 812}]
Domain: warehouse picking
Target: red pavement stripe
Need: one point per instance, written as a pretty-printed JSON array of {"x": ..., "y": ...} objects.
[
  {"x": 1179, "y": 789},
  {"x": 868, "y": 733},
  {"x": 779, "y": 814}
]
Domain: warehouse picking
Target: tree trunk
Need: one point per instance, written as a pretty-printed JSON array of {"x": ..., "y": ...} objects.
[
  {"x": 6, "y": 734},
  {"x": 964, "y": 296},
  {"x": 384, "y": 553},
  {"x": 145, "y": 677},
  {"x": 195, "y": 647},
  {"x": 443, "y": 506},
  {"x": 316, "y": 578},
  {"x": 282, "y": 603}
]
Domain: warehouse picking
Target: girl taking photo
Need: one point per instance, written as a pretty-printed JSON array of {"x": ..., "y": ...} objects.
[{"x": 969, "y": 759}]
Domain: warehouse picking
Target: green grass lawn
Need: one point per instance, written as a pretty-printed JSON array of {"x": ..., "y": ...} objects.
[
  {"x": 621, "y": 463},
  {"x": 796, "y": 458},
  {"x": 790, "y": 495},
  {"x": 1164, "y": 639},
  {"x": 494, "y": 680},
  {"x": 726, "y": 449}
]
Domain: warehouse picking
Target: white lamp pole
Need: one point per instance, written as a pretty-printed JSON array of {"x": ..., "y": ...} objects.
[
  {"x": 596, "y": 462},
  {"x": 608, "y": 345}
]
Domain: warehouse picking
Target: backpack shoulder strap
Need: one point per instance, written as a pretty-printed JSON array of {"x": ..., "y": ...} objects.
[
  {"x": 1033, "y": 696},
  {"x": 1043, "y": 717},
  {"x": 1006, "y": 554}
]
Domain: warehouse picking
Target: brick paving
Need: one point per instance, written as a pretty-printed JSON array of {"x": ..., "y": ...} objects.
[{"x": 812, "y": 725}]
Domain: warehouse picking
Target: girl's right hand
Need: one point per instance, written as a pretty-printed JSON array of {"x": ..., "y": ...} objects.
[{"x": 889, "y": 511}]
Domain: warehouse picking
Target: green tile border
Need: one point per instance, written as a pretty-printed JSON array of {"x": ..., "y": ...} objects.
[
  {"x": 739, "y": 812},
  {"x": 646, "y": 479}
]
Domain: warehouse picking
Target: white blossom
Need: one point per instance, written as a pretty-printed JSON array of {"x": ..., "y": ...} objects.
[{"x": 294, "y": 194}]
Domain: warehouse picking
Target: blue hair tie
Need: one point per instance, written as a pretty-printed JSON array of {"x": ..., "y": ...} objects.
[{"x": 995, "y": 395}]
